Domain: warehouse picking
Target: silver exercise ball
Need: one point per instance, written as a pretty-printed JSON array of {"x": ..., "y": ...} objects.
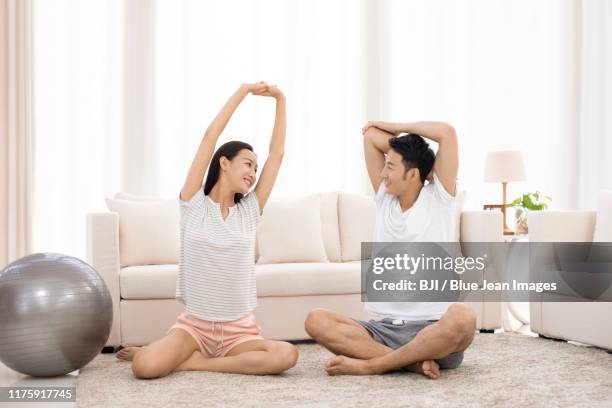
[{"x": 55, "y": 314}]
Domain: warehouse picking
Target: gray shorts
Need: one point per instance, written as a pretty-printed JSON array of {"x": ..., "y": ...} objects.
[{"x": 395, "y": 336}]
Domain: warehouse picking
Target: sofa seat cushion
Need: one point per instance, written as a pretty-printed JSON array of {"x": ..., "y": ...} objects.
[
  {"x": 290, "y": 279},
  {"x": 304, "y": 279}
]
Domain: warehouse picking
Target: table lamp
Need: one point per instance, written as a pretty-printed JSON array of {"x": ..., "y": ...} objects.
[{"x": 503, "y": 167}]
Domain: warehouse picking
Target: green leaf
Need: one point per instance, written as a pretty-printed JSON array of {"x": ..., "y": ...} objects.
[
  {"x": 533, "y": 201},
  {"x": 528, "y": 202}
]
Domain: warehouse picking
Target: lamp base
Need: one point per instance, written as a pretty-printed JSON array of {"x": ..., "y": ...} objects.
[
  {"x": 508, "y": 231},
  {"x": 505, "y": 229}
]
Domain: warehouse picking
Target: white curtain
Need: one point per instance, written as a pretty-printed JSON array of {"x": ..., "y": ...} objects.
[
  {"x": 313, "y": 50},
  {"x": 78, "y": 116},
  {"x": 502, "y": 72},
  {"x": 589, "y": 158},
  {"x": 125, "y": 90}
]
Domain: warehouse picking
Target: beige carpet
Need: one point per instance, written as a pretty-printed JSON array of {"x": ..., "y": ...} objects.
[{"x": 498, "y": 370}]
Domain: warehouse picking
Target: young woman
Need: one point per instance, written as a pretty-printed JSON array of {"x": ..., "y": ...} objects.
[{"x": 216, "y": 282}]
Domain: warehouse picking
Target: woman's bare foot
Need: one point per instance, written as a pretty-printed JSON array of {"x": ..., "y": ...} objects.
[
  {"x": 128, "y": 353},
  {"x": 429, "y": 368}
]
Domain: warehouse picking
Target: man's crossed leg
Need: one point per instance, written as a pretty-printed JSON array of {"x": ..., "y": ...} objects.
[{"x": 358, "y": 353}]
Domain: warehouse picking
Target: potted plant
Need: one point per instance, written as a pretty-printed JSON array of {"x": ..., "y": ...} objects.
[{"x": 526, "y": 203}]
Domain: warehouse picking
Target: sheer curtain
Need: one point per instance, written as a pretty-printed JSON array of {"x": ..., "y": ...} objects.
[
  {"x": 77, "y": 113},
  {"x": 590, "y": 153},
  {"x": 124, "y": 91},
  {"x": 502, "y": 72},
  {"x": 313, "y": 50}
]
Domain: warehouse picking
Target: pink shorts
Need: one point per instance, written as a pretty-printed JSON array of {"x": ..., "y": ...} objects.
[{"x": 217, "y": 338}]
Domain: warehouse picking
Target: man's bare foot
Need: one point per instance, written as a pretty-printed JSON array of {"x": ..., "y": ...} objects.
[
  {"x": 429, "y": 368},
  {"x": 342, "y": 365},
  {"x": 128, "y": 353}
]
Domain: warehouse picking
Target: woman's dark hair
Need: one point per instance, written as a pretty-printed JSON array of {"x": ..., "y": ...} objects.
[
  {"x": 229, "y": 150},
  {"x": 415, "y": 152}
]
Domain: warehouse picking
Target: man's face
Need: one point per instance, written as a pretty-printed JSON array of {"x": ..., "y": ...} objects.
[{"x": 397, "y": 180}]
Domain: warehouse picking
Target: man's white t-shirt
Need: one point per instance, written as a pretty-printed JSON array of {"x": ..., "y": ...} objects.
[{"x": 432, "y": 218}]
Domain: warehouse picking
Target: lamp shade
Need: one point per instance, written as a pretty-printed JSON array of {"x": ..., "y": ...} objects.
[{"x": 504, "y": 166}]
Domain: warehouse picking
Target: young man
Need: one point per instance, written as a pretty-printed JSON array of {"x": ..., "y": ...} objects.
[{"x": 418, "y": 336}]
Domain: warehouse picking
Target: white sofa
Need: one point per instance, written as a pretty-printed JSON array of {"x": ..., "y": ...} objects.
[
  {"x": 584, "y": 322},
  {"x": 144, "y": 304}
]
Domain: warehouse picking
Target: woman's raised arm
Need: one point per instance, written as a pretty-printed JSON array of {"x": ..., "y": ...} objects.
[
  {"x": 200, "y": 163},
  {"x": 276, "y": 149}
]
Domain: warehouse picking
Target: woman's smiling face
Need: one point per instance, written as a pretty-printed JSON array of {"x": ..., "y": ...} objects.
[{"x": 241, "y": 171}]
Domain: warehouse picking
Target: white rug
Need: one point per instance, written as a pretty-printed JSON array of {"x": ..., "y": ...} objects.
[{"x": 498, "y": 370}]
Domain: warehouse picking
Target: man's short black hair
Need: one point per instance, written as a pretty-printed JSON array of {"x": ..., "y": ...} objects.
[{"x": 415, "y": 152}]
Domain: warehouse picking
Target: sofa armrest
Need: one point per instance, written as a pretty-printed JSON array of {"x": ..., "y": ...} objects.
[
  {"x": 103, "y": 255},
  {"x": 481, "y": 226},
  {"x": 561, "y": 226},
  {"x": 557, "y": 226}
]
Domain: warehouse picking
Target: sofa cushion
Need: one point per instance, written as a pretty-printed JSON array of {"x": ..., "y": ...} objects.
[
  {"x": 304, "y": 279},
  {"x": 290, "y": 231},
  {"x": 603, "y": 229},
  {"x": 148, "y": 231},
  {"x": 289, "y": 279},
  {"x": 603, "y": 222},
  {"x": 148, "y": 281},
  {"x": 356, "y": 220},
  {"x": 460, "y": 201},
  {"x": 481, "y": 226},
  {"x": 329, "y": 221},
  {"x": 329, "y": 226}
]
